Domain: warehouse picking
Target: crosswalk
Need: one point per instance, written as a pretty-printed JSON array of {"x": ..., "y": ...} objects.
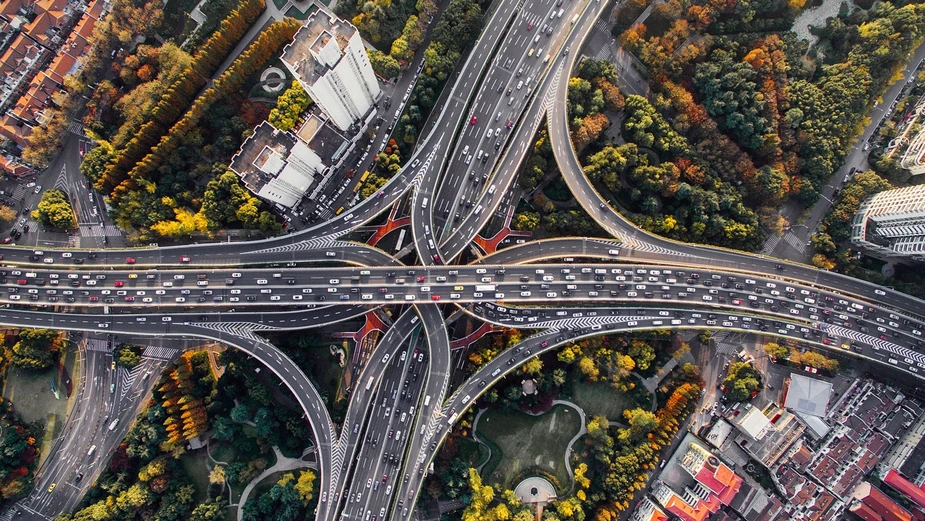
[
  {"x": 77, "y": 127},
  {"x": 770, "y": 243},
  {"x": 796, "y": 242},
  {"x": 602, "y": 26},
  {"x": 159, "y": 353},
  {"x": 95, "y": 230},
  {"x": 98, "y": 345},
  {"x": 586, "y": 322},
  {"x": 19, "y": 192}
]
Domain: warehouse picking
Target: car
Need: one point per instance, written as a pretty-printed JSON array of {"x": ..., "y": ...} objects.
[
  {"x": 879, "y": 292},
  {"x": 51, "y": 487},
  {"x": 435, "y": 297},
  {"x": 119, "y": 283},
  {"x": 38, "y": 188},
  {"x": 473, "y": 120},
  {"x": 380, "y": 195},
  {"x": 184, "y": 259},
  {"x": 530, "y": 25},
  {"x": 48, "y": 260},
  {"x": 67, "y": 255},
  {"x": 130, "y": 260}
]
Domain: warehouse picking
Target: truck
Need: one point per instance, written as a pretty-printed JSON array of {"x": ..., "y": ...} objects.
[
  {"x": 369, "y": 383},
  {"x": 484, "y": 287}
]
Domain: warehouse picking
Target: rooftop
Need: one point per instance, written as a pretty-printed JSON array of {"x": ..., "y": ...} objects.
[
  {"x": 311, "y": 40},
  {"x": 808, "y": 395}
]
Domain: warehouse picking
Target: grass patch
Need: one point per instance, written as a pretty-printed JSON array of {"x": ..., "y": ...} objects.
[
  {"x": 600, "y": 399},
  {"x": 529, "y": 441},
  {"x": 194, "y": 464},
  {"x": 299, "y": 15}
]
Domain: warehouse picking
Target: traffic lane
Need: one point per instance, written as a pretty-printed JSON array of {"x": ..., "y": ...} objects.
[{"x": 528, "y": 287}]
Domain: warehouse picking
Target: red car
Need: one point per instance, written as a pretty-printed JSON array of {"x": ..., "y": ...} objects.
[
  {"x": 118, "y": 284},
  {"x": 421, "y": 278},
  {"x": 435, "y": 297},
  {"x": 184, "y": 259},
  {"x": 130, "y": 299},
  {"x": 510, "y": 123},
  {"x": 473, "y": 120},
  {"x": 530, "y": 25},
  {"x": 130, "y": 261}
]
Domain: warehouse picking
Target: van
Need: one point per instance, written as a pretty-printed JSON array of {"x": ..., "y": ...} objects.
[
  {"x": 574, "y": 19},
  {"x": 520, "y": 84},
  {"x": 112, "y": 426},
  {"x": 92, "y": 450},
  {"x": 559, "y": 14},
  {"x": 424, "y": 203}
]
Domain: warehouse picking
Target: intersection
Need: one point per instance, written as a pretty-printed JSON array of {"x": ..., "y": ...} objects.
[{"x": 401, "y": 408}]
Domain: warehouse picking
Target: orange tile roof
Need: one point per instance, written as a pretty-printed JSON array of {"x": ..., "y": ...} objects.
[
  {"x": 11, "y": 7},
  {"x": 60, "y": 67},
  {"x": 906, "y": 487},
  {"x": 95, "y": 9},
  {"x": 15, "y": 130},
  {"x": 13, "y": 168}
]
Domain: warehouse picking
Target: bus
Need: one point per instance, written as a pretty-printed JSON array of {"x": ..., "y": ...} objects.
[
  {"x": 364, "y": 176},
  {"x": 484, "y": 287},
  {"x": 452, "y": 419},
  {"x": 339, "y": 210},
  {"x": 369, "y": 383},
  {"x": 426, "y": 400}
]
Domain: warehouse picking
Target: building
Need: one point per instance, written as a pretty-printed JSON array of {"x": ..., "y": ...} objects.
[
  {"x": 808, "y": 395},
  {"x": 767, "y": 434},
  {"x": 913, "y": 158},
  {"x": 892, "y": 223},
  {"x": 647, "y": 510},
  {"x": 277, "y": 166},
  {"x": 706, "y": 485},
  {"x": 871, "y": 504},
  {"x": 329, "y": 59}
]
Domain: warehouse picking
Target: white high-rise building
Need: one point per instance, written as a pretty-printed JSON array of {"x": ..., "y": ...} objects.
[
  {"x": 328, "y": 58},
  {"x": 892, "y": 223}
]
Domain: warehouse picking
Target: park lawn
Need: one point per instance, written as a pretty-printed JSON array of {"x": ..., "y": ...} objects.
[
  {"x": 194, "y": 464},
  {"x": 530, "y": 441},
  {"x": 32, "y": 397},
  {"x": 600, "y": 399}
]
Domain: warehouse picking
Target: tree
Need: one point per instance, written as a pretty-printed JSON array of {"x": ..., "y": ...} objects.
[
  {"x": 290, "y": 106},
  {"x": 305, "y": 486},
  {"x": 742, "y": 381},
  {"x": 217, "y": 475},
  {"x": 128, "y": 356},
  {"x": 54, "y": 210},
  {"x": 7, "y": 214},
  {"x": 212, "y": 509},
  {"x": 36, "y": 348},
  {"x": 383, "y": 64},
  {"x": 776, "y": 350},
  {"x": 524, "y": 221}
]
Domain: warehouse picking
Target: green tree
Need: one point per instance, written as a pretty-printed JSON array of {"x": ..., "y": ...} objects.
[
  {"x": 128, "y": 356},
  {"x": 290, "y": 106},
  {"x": 36, "y": 348},
  {"x": 54, "y": 210},
  {"x": 742, "y": 381}
]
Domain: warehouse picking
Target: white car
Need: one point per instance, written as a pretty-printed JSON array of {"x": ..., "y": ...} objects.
[
  {"x": 147, "y": 300},
  {"x": 180, "y": 299},
  {"x": 166, "y": 319},
  {"x": 297, "y": 297},
  {"x": 48, "y": 260},
  {"x": 879, "y": 292},
  {"x": 261, "y": 282}
]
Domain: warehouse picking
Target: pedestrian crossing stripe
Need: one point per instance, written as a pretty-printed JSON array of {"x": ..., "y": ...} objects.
[
  {"x": 91, "y": 230},
  {"x": 159, "y": 353}
]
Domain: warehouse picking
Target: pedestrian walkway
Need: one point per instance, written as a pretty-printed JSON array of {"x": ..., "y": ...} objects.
[
  {"x": 795, "y": 241},
  {"x": 160, "y": 353},
  {"x": 98, "y": 345},
  {"x": 95, "y": 230},
  {"x": 77, "y": 127},
  {"x": 282, "y": 464},
  {"x": 770, "y": 243}
]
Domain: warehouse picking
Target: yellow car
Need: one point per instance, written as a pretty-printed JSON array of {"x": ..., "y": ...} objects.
[
  {"x": 133, "y": 275},
  {"x": 51, "y": 487},
  {"x": 458, "y": 288}
]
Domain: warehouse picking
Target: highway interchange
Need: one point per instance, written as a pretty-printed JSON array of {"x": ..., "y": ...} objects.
[{"x": 401, "y": 407}]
